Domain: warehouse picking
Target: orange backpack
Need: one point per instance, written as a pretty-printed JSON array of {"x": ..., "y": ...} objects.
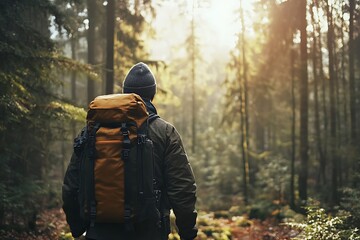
[{"x": 116, "y": 177}]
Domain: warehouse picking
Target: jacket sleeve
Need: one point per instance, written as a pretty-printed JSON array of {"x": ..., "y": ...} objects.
[
  {"x": 180, "y": 185},
  {"x": 70, "y": 198}
]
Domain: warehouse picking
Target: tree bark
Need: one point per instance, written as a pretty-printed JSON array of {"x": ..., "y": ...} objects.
[
  {"x": 303, "y": 176},
  {"x": 293, "y": 138},
  {"x": 332, "y": 82},
  {"x": 316, "y": 101},
  {"x": 193, "y": 78},
  {"x": 110, "y": 28},
  {"x": 352, "y": 92},
  {"x": 73, "y": 74},
  {"x": 91, "y": 4},
  {"x": 323, "y": 164},
  {"x": 243, "y": 111},
  {"x": 344, "y": 168}
]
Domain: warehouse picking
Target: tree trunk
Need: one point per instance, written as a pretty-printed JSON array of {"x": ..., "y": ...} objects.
[
  {"x": 91, "y": 4},
  {"x": 344, "y": 88},
  {"x": 110, "y": 28},
  {"x": 72, "y": 123},
  {"x": 323, "y": 164},
  {"x": 73, "y": 74},
  {"x": 259, "y": 131},
  {"x": 249, "y": 164},
  {"x": 293, "y": 138},
  {"x": 193, "y": 78},
  {"x": 243, "y": 110},
  {"x": 344, "y": 168},
  {"x": 332, "y": 81},
  {"x": 352, "y": 92},
  {"x": 316, "y": 101},
  {"x": 303, "y": 176}
]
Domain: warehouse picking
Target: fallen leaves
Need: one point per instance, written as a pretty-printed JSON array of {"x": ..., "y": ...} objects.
[{"x": 51, "y": 224}]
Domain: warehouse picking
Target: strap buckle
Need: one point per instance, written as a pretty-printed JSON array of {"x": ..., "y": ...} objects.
[
  {"x": 127, "y": 214},
  {"x": 129, "y": 226},
  {"x": 125, "y": 154},
  {"x": 92, "y": 213},
  {"x": 141, "y": 138}
]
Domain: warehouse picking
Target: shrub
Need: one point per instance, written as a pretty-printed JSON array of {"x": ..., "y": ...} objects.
[
  {"x": 350, "y": 202},
  {"x": 322, "y": 226}
]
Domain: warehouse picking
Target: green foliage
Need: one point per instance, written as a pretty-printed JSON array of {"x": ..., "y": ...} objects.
[
  {"x": 262, "y": 209},
  {"x": 320, "y": 225},
  {"x": 31, "y": 113},
  {"x": 131, "y": 47},
  {"x": 211, "y": 228},
  {"x": 289, "y": 215},
  {"x": 66, "y": 236},
  {"x": 241, "y": 221},
  {"x": 23, "y": 202},
  {"x": 67, "y": 111},
  {"x": 350, "y": 202},
  {"x": 216, "y": 171},
  {"x": 273, "y": 178}
]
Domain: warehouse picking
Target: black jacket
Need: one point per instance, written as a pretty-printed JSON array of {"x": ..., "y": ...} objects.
[{"x": 176, "y": 180}]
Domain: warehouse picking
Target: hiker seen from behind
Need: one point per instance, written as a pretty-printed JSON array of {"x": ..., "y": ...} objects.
[{"x": 129, "y": 168}]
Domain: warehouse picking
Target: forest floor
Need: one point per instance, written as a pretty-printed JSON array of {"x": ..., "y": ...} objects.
[{"x": 51, "y": 225}]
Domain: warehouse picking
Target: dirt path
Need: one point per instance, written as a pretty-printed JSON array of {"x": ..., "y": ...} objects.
[
  {"x": 241, "y": 228},
  {"x": 265, "y": 230},
  {"x": 51, "y": 225}
]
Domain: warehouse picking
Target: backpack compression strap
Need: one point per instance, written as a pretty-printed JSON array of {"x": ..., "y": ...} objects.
[
  {"x": 125, "y": 157},
  {"x": 126, "y": 142},
  {"x": 91, "y": 191}
]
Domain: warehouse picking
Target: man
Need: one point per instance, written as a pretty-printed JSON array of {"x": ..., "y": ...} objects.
[{"x": 172, "y": 169}]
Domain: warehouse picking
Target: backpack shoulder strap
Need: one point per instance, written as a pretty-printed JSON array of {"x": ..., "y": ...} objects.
[
  {"x": 91, "y": 158},
  {"x": 80, "y": 141},
  {"x": 143, "y": 130}
]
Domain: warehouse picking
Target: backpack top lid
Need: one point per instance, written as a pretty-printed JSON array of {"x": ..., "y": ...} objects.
[{"x": 117, "y": 108}]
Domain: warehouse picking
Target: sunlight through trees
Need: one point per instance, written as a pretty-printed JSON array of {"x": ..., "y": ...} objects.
[{"x": 265, "y": 94}]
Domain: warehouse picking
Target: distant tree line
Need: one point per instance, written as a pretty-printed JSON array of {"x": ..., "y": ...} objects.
[{"x": 301, "y": 102}]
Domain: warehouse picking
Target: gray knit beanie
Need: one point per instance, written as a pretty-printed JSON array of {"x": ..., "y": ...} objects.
[{"x": 140, "y": 80}]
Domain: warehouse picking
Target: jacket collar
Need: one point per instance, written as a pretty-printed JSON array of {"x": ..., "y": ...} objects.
[{"x": 149, "y": 106}]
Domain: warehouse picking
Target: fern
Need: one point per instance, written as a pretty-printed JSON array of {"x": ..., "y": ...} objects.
[{"x": 320, "y": 225}]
